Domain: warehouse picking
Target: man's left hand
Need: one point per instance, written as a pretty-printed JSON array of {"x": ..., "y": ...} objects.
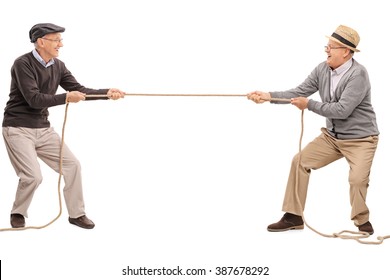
[{"x": 300, "y": 102}]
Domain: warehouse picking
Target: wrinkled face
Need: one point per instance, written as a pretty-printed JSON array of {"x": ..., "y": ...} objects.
[
  {"x": 49, "y": 45},
  {"x": 337, "y": 54}
]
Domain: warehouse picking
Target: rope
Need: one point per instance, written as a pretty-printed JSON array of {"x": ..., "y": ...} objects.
[
  {"x": 356, "y": 235},
  {"x": 58, "y": 185},
  {"x": 186, "y": 95}
]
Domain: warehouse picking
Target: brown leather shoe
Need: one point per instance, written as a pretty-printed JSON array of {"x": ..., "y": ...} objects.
[
  {"x": 82, "y": 222},
  {"x": 17, "y": 220},
  {"x": 366, "y": 227},
  {"x": 287, "y": 222}
]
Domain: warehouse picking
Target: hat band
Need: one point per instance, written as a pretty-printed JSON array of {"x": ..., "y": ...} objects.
[{"x": 341, "y": 39}]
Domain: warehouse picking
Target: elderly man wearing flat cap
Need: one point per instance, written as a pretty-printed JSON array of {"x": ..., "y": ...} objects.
[
  {"x": 35, "y": 78},
  {"x": 351, "y": 129}
]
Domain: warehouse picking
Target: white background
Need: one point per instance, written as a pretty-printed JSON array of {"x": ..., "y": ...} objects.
[{"x": 194, "y": 181}]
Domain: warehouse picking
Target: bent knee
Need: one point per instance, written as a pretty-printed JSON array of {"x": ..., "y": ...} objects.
[{"x": 31, "y": 180}]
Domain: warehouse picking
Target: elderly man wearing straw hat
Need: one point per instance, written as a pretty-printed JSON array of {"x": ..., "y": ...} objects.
[{"x": 351, "y": 129}]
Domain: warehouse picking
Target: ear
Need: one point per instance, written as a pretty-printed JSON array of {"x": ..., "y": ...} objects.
[
  {"x": 40, "y": 42},
  {"x": 347, "y": 52}
]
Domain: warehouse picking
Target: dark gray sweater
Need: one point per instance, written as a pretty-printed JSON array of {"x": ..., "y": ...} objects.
[{"x": 33, "y": 90}]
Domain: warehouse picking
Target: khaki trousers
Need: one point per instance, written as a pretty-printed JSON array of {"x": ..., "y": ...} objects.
[
  {"x": 24, "y": 147},
  {"x": 323, "y": 150}
]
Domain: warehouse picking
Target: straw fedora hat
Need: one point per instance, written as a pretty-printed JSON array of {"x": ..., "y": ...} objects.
[{"x": 346, "y": 36}]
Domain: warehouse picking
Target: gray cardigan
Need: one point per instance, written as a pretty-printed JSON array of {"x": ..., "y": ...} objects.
[{"x": 349, "y": 113}]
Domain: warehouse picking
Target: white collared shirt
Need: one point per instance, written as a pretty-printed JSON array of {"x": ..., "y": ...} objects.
[
  {"x": 40, "y": 59},
  {"x": 337, "y": 74}
]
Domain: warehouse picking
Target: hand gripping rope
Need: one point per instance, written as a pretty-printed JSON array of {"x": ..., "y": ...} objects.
[{"x": 356, "y": 235}]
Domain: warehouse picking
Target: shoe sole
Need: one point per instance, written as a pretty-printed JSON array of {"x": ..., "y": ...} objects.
[
  {"x": 80, "y": 225},
  {"x": 17, "y": 226},
  {"x": 369, "y": 232},
  {"x": 285, "y": 229}
]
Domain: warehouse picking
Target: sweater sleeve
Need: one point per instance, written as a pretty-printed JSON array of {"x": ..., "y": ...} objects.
[
  {"x": 69, "y": 83},
  {"x": 350, "y": 94}
]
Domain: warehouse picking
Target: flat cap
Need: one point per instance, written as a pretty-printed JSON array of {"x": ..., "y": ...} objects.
[{"x": 41, "y": 29}]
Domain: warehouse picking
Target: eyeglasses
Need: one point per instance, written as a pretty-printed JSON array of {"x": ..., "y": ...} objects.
[
  {"x": 333, "y": 48},
  {"x": 53, "y": 40}
]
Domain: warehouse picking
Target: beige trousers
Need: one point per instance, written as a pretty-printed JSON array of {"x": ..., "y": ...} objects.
[
  {"x": 24, "y": 147},
  {"x": 326, "y": 149}
]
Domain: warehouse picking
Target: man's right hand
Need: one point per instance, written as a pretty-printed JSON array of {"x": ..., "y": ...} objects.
[{"x": 74, "y": 96}]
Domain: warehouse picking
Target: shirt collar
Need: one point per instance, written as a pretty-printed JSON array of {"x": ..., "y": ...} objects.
[
  {"x": 40, "y": 59},
  {"x": 344, "y": 67}
]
